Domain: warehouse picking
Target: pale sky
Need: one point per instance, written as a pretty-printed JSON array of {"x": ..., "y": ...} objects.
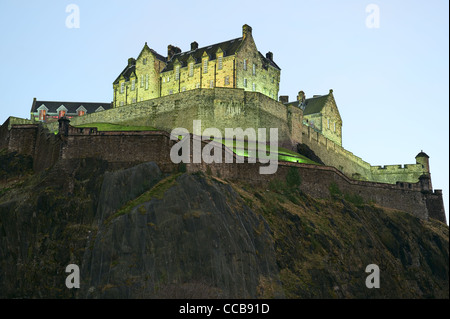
[{"x": 390, "y": 80}]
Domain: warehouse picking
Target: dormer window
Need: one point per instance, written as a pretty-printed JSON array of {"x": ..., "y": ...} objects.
[
  {"x": 133, "y": 84},
  {"x": 191, "y": 69},
  {"x": 42, "y": 114},
  {"x": 122, "y": 87},
  {"x": 61, "y": 111},
  {"x": 220, "y": 62}
]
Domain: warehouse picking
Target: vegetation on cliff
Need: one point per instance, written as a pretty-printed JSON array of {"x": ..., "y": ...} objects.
[{"x": 138, "y": 233}]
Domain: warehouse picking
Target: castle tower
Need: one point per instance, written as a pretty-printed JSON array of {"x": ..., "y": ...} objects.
[
  {"x": 422, "y": 158},
  {"x": 425, "y": 179}
]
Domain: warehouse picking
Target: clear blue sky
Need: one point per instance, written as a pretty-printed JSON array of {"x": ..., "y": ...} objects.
[{"x": 390, "y": 83}]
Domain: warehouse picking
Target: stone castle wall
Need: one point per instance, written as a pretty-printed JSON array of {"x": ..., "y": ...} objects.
[
  {"x": 354, "y": 167},
  {"x": 122, "y": 149},
  {"x": 219, "y": 107}
]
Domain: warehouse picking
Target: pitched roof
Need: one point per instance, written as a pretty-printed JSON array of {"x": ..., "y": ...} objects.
[
  {"x": 422, "y": 154},
  {"x": 129, "y": 69},
  {"x": 269, "y": 61},
  {"x": 71, "y": 107},
  {"x": 315, "y": 104},
  {"x": 312, "y": 105},
  {"x": 228, "y": 47}
]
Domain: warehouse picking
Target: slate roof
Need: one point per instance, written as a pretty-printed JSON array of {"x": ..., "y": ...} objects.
[
  {"x": 422, "y": 154},
  {"x": 70, "y": 106},
  {"x": 228, "y": 47},
  {"x": 312, "y": 105},
  {"x": 129, "y": 69}
]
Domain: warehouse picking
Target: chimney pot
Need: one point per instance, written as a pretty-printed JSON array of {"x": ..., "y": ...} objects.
[
  {"x": 246, "y": 30},
  {"x": 284, "y": 98},
  {"x": 172, "y": 50},
  {"x": 269, "y": 55},
  {"x": 194, "y": 46}
]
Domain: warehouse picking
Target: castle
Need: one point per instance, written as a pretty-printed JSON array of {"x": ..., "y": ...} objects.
[
  {"x": 234, "y": 64},
  {"x": 226, "y": 85}
]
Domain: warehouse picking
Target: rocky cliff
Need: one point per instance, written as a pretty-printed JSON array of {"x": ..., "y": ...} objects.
[{"x": 139, "y": 233}]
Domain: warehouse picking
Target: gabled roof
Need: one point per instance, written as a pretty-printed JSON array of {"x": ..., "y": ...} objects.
[
  {"x": 156, "y": 54},
  {"x": 312, "y": 105},
  {"x": 71, "y": 107},
  {"x": 269, "y": 62},
  {"x": 315, "y": 104},
  {"x": 228, "y": 47},
  {"x": 127, "y": 72}
]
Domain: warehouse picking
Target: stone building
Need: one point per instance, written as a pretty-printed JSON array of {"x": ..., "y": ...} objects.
[
  {"x": 235, "y": 63},
  {"x": 51, "y": 111},
  {"x": 322, "y": 114}
]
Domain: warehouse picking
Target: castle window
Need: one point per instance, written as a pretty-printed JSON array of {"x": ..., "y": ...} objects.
[
  {"x": 61, "y": 113},
  {"x": 177, "y": 73},
  {"x": 245, "y": 83},
  {"x": 168, "y": 79},
  {"x": 211, "y": 84},
  {"x": 254, "y": 69},
  {"x": 220, "y": 63},
  {"x": 146, "y": 82},
  {"x": 328, "y": 123},
  {"x": 122, "y": 87},
  {"x": 170, "y": 91},
  {"x": 133, "y": 101},
  {"x": 197, "y": 85},
  {"x": 142, "y": 81},
  {"x": 145, "y": 61},
  {"x": 254, "y": 87},
  {"x": 164, "y": 80},
  {"x": 205, "y": 66},
  {"x": 227, "y": 80},
  {"x": 191, "y": 69},
  {"x": 121, "y": 103},
  {"x": 81, "y": 113},
  {"x": 183, "y": 89},
  {"x": 245, "y": 64},
  {"x": 133, "y": 84}
]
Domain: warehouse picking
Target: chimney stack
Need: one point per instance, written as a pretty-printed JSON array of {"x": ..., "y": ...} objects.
[
  {"x": 284, "y": 99},
  {"x": 301, "y": 97},
  {"x": 131, "y": 61},
  {"x": 194, "y": 46},
  {"x": 269, "y": 55},
  {"x": 246, "y": 30},
  {"x": 172, "y": 50}
]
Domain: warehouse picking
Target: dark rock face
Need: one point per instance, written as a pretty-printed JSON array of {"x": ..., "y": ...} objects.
[
  {"x": 137, "y": 233},
  {"x": 199, "y": 236}
]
